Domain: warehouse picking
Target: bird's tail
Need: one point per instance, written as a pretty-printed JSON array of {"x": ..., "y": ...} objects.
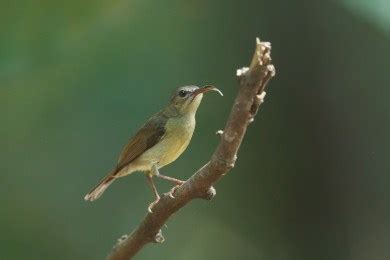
[{"x": 98, "y": 190}]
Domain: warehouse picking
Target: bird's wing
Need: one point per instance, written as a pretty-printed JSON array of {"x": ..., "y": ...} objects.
[{"x": 149, "y": 135}]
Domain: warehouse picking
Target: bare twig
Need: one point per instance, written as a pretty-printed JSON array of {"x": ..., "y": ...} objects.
[{"x": 253, "y": 81}]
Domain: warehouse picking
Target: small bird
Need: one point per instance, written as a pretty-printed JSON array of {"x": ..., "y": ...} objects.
[{"x": 161, "y": 140}]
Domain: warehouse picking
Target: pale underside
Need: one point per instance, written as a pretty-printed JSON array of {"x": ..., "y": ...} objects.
[{"x": 177, "y": 136}]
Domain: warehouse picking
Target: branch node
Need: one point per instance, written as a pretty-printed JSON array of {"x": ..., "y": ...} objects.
[
  {"x": 241, "y": 72},
  {"x": 271, "y": 69},
  {"x": 219, "y": 132},
  {"x": 122, "y": 238},
  {"x": 159, "y": 238},
  {"x": 261, "y": 97},
  {"x": 206, "y": 193},
  {"x": 210, "y": 194}
]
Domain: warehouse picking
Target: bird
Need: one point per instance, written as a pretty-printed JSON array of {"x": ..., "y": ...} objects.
[{"x": 159, "y": 142}]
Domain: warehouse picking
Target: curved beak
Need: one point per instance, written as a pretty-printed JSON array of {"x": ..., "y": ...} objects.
[{"x": 206, "y": 89}]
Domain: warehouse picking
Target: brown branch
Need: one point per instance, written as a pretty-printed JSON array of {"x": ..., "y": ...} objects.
[{"x": 253, "y": 81}]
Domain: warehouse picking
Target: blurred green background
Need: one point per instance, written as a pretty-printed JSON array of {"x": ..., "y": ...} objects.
[{"x": 77, "y": 78}]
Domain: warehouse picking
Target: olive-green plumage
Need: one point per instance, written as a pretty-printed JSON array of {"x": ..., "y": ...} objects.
[{"x": 161, "y": 140}]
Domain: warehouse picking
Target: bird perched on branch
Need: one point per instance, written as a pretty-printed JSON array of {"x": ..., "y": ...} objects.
[{"x": 162, "y": 139}]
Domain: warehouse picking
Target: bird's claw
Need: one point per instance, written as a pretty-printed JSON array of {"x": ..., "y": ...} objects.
[
  {"x": 151, "y": 205},
  {"x": 173, "y": 190}
]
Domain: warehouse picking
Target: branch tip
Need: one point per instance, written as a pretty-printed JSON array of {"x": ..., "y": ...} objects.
[{"x": 262, "y": 54}]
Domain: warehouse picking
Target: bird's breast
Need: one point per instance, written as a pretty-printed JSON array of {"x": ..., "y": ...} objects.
[{"x": 176, "y": 139}]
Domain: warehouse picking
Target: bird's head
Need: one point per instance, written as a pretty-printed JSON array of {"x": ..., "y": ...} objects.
[{"x": 186, "y": 100}]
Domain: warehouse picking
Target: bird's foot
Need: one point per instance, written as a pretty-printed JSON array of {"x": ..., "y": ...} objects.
[
  {"x": 151, "y": 205},
  {"x": 173, "y": 190}
]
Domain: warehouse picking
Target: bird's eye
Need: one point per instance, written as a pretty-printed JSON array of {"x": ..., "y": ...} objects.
[{"x": 182, "y": 93}]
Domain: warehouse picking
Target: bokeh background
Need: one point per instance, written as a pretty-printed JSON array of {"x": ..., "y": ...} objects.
[{"x": 77, "y": 78}]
